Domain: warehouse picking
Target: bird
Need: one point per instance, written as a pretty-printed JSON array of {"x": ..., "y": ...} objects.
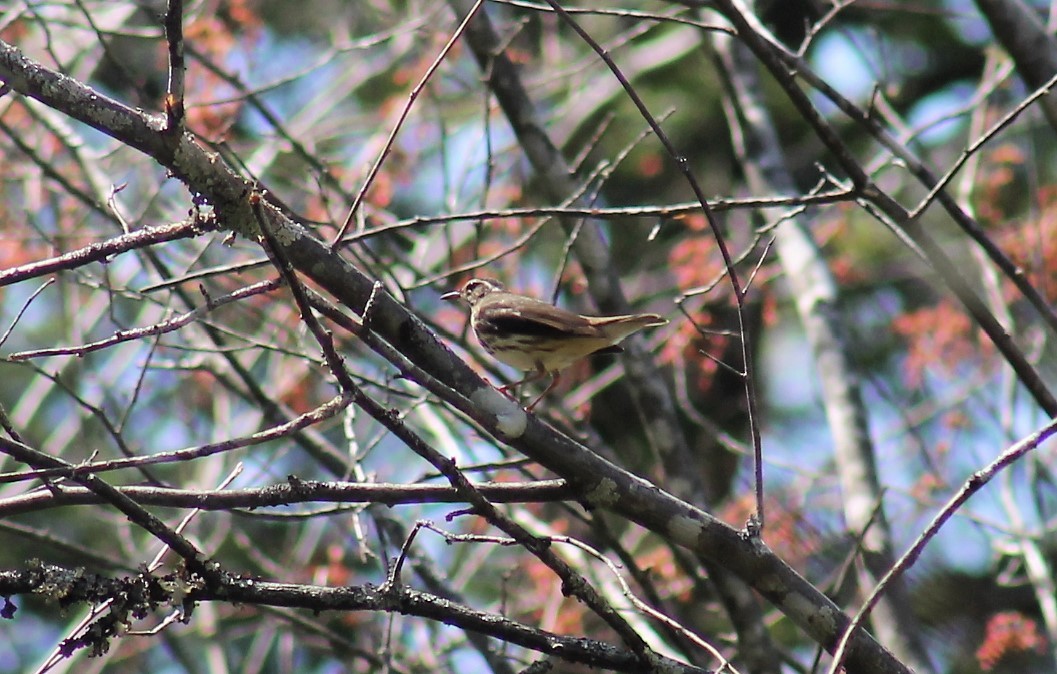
[{"x": 538, "y": 337}]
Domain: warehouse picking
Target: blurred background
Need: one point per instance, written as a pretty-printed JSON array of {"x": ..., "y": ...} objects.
[{"x": 331, "y": 103}]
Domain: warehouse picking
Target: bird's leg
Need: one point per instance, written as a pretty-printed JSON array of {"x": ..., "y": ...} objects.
[
  {"x": 554, "y": 382},
  {"x": 507, "y": 388},
  {"x": 539, "y": 373}
]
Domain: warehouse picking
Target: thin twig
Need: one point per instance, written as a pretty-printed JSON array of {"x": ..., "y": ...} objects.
[
  {"x": 975, "y": 483},
  {"x": 411, "y": 98}
]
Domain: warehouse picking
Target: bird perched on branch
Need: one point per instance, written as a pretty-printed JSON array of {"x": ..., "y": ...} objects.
[{"x": 538, "y": 337}]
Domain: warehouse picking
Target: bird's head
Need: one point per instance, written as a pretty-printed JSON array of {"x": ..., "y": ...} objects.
[{"x": 474, "y": 291}]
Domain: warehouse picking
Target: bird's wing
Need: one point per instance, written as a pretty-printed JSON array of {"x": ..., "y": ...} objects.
[{"x": 539, "y": 318}]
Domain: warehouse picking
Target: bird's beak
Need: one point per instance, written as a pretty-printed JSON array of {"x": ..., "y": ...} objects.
[{"x": 453, "y": 295}]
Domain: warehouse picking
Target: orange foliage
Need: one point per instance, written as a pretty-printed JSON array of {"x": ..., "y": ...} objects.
[
  {"x": 382, "y": 189},
  {"x": 834, "y": 226},
  {"x": 512, "y": 227},
  {"x": 335, "y": 572},
  {"x": 1008, "y": 633},
  {"x": 411, "y": 74},
  {"x": 650, "y": 165},
  {"x": 14, "y": 31},
  {"x": 1007, "y": 153},
  {"x": 242, "y": 14},
  {"x": 695, "y": 222},
  {"x": 519, "y": 56},
  {"x": 938, "y": 336},
  {"x": 943, "y": 335},
  {"x": 671, "y": 580},
  {"x": 299, "y": 394},
  {"x": 15, "y": 251},
  {"x": 212, "y": 121},
  {"x": 1032, "y": 246},
  {"x": 545, "y": 605},
  {"x": 955, "y": 419},
  {"x": 846, "y": 271},
  {"x": 199, "y": 390},
  {"x": 695, "y": 261},
  {"x": 788, "y": 532},
  {"x": 926, "y": 486},
  {"x": 687, "y": 345},
  {"x": 569, "y": 619},
  {"x": 996, "y": 178},
  {"x": 215, "y": 32}
]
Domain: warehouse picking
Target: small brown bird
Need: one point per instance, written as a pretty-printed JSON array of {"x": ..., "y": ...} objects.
[{"x": 539, "y": 337}]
